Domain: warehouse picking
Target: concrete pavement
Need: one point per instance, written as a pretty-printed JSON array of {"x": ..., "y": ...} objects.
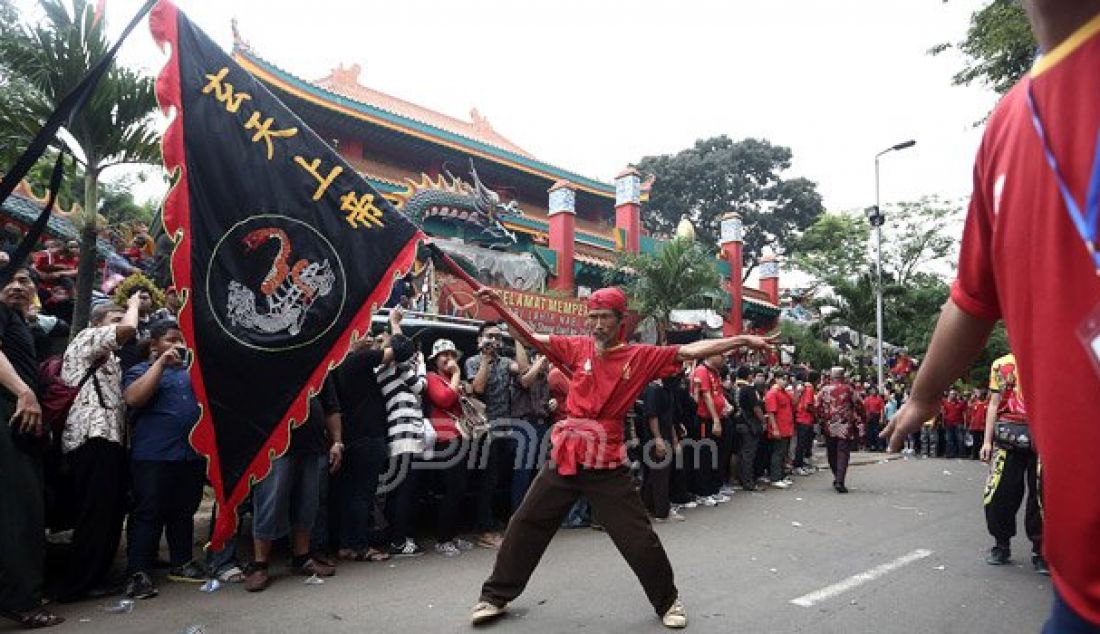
[{"x": 739, "y": 567}]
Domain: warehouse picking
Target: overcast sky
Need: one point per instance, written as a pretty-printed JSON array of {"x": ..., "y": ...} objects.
[{"x": 591, "y": 86}]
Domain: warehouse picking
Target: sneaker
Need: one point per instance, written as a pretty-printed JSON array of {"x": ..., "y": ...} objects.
[
  {"x": 763, "y": 480},
  {"x": 840, "y": 488},
  {"x": 708, "y": 502},
  {"x": 676, "y": 617},
  {"x": 314, "y": 566},
  {"x": 256, "y": 578},
  {"x": 190, "y": 572},
  {"x": 720, "y": 498},
  {"x": 781, "y": 484},
  {"x": 462, "y": 544},
  {"x": 691, "y": 504},
  {"x": 659, "y": 520},
  {"x": 999, "y": 556},
  {"x": 484, "y": 612},
  {"x": 489, "y": 540},
  {"x": 727, "y": 490},
  {"x": 1040, "y": 565},
  {"x": 408, "y": 548},
  {"x": 140, "y": 586},
  {"x": 673, "y": 516},
  {"x": 447, "y": 549}
]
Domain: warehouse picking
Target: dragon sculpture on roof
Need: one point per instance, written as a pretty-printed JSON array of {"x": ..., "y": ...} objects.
[{"x": 449, "y": 197}]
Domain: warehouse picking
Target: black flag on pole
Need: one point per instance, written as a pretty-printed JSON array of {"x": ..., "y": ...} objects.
[{"x": 282, "y": 248}]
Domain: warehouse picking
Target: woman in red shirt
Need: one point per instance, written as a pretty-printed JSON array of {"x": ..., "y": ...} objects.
[
  {"x": 444, "y": 392},
  {"x": 975, "y": 422},
  {"x": 872, "y": 408}
]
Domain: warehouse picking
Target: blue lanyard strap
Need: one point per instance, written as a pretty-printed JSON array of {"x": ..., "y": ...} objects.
[{"x": 1086, "y": 223}]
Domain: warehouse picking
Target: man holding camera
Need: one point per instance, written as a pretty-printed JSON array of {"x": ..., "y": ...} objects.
[{"x": 492, "y": 373}]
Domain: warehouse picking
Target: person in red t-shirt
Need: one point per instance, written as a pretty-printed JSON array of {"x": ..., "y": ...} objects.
[
  {"x": 607, "y": 375},
  {"x": 953, "y": 410},
  {"x": 444, "y": 393},
  {"x": 1024, "y": 259},
  {"x": 804, "y": 425},
  {"x": 872, "y": 409},
  {"x": 975, "y": 422},
  {"x": 712, "y": 407},
  {"x": 779, "y": 410}
]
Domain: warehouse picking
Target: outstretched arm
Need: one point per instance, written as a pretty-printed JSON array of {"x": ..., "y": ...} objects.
[
  {"x": 707, "y": 347},
  {"x": 958, "y": 339},
  {"x": 519, "y": 328}
]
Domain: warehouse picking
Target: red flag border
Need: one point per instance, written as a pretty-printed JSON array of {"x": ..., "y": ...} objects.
[{"x": 164, "y": 26}]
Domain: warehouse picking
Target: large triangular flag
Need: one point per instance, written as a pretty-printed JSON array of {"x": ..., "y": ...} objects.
[{"x": 283, "y": 252}]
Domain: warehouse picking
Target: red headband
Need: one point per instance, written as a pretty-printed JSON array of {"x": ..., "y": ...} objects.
[{"x": 608, "y": 299}]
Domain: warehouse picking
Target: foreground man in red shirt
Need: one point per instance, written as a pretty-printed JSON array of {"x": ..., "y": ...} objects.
[
  {"x": 1029, "y": 257},
  {"x": 587, "y": 454}
]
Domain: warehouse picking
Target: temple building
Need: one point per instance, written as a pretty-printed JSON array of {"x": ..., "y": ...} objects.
[{"x": 544, "y": 233}]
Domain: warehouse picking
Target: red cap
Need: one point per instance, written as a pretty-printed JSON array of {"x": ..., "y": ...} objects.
[{"x": 608, "y": 299}]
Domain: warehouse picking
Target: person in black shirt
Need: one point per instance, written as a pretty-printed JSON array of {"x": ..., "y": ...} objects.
[
  {"x": 659, "y": 440},
  {"x": 286, "y": 501},
  {"x": 750, "y": 427},
  {"x": 22, "y": 513},
  {"x": 351, "y": 498}
]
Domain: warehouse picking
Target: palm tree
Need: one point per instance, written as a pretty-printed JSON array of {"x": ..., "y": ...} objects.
[
  {"x": 853, "y": 304},
  {"x": 114, "y": 127},
  {"x": 681, "y": 275}
]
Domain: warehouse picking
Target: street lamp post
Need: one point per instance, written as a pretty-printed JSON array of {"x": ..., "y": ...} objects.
[{"x": 877, "y": 219}]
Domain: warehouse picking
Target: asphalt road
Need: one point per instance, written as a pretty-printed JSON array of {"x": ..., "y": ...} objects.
[{"x": 915, "y": 527}]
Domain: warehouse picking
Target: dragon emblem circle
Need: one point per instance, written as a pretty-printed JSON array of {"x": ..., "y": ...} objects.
[{"x": 275, "y": 283}]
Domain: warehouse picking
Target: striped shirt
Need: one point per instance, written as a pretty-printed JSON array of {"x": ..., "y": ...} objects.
[{"x": 401, "y": 385}]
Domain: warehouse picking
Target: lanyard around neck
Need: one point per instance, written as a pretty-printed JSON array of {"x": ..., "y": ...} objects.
[{"x": 1085, "y": 222}]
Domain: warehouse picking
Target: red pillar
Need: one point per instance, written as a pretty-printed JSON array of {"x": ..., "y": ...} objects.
[
  {"x": 628, "y": 207},
  {"x": 769, "y": 277},
  {"x": 730, "y": 239},
  {"x": 563, "y": 198}
]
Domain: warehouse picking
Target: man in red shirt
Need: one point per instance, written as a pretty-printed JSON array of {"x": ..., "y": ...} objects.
[
  {"x": 975, "y": 422},
  {"x": 779, "y": 410},
  {"x": 872, "y": 409},
  {"x": 804, "y": 425},
  {"x": 711, "y": 408},
  {"x": 953, "y": 410},
  {"x": 587, "y": 453},
  {"x": 1027, "y": 257},
  {"x": 838, "y": 407}
]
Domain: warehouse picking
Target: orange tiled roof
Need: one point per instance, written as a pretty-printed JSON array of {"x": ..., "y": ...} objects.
[{"x": 345, "y": 81}]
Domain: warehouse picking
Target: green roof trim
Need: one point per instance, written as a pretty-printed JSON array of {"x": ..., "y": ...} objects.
[
  {"x": 25, "y": 211},
  {"x": 548, "y": 258},
  {"x": 553, "y": 172}
]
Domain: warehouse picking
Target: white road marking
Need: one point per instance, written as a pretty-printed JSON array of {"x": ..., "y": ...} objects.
[{"x": 854, "y": 581}]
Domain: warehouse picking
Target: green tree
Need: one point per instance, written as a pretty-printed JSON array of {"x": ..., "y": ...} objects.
[
  {"x": 999, "y": 46},
  {"x": 853, "y": 304},
  {"x": 918, "y": 235},
  {"x": 833, "y": 247},
  {"x": 718, "y": 175},
  {"x": 681, "y": 275},
  {"x": 114, "y": 127},
  {"x": 808, "y": 348},
  {"x": 914, "y": 311}
]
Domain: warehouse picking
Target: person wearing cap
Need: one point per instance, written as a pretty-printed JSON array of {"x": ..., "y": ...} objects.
[
  {"x": 839, "y": 406},
  {"x": 444, "y": 400},
  {"x": 587, "y": 454}
]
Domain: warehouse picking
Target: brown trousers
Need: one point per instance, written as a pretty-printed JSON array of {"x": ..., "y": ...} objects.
[{"x": 615, "y": 504}]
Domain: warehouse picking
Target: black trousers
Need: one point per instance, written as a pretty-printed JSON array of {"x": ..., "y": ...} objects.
[
  {"x": 702, "y": 453},
  {"x": 656, "y": 479},
  {"x": 99, "y": 500},
  {"x": 746, "y": 460},
  {"x": 619, "y": 509},
  {"x": 725, "y": 452},
  {"x": 839, "y": 451},
  {"x": 166, "y": 496},
  {"x": 1010, "y": 472},
  {"x": 494, "y": 462},
  {"x": 781, "y": 447},
  {"x": 22, "y": 520},
  {"x": 804, "y": 445},
  {"x": 452, "y": 485}
]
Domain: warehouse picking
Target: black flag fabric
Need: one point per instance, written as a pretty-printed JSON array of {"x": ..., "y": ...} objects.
[{"x": 283, "y": 252}]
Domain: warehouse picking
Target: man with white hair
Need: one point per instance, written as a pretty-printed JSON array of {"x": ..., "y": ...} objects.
[{"x": 838, "y": 406}]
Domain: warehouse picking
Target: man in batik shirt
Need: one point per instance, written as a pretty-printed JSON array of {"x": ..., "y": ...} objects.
[{"x": 838, "y": 407}]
